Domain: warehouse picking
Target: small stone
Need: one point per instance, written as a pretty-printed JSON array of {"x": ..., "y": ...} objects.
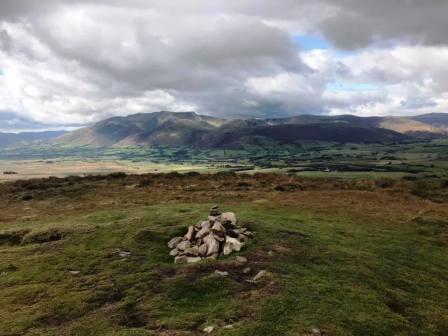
[
  {"x": 229, "y": 326},
  {"x": 203, "y": 250},
  {"x": 242, "y": 238},
  {"x": 221, "y": 273},
  {"x": 205, "y": 230},
  {"x": 173, "y": 242},
  {"x": 219, "y": 238},
  {"x": 217, "y": 227},
  {"x": 231, "y": 245},
  {"x": 315, "y": 332},
  {"x": 74, "y": 272},
  {"x": 213, "y": 256},
  {"x": 192, "y": 260},
  {"x": 229, "y": 217},
  {"x": 189, "y": 235},
  {"x": 124, "y": 254},
  {"x": 192, "y": 251},
  {"x": 241, "y": 259},
  {"x": 270, "y": 253},
  {"x": 247, "y": 270},
  {"x": 180, "y": 260},
  {"x": 174, "y": 252},
  {"x": 259, "y": 275},
  {"x": 212, "y": 244},
  {"x": 208, "y": 330},
  {"x": 184, "y": 245}
]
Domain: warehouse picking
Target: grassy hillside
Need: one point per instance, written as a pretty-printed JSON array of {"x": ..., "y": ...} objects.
[{"x": 356, "y": 257}]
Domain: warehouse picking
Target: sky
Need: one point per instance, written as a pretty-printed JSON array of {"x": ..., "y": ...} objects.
[{"x": 65, "y": 63}]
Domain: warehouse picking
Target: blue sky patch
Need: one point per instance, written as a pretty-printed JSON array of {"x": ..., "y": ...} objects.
[
  {"x": 347, "y": 86},
  {"x": 310, "y": 42}
]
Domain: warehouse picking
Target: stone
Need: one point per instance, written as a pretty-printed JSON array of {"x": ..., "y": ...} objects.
[
  {"x": 231, "y": 245},
  {"x": 212, "y": 244},
  {"x": 228, "y": 326},
  {"x": 214, "y": 211},
  {"x": 213, "y": 256},
  {"x": 190, "y": 234},
  {"x": 174, "y": 252},
  {"x": 203, "y": 250},
  {"x": 192, "y": 260},
  {"x": 259, "y": 275},
  {"x": 180, "y": 260},
  {"x": 241, "y": 260},
  {"x": 242, "y": 238},
  {"x": 205, "y": 230},
  {"x": 192, "y": 251},
  {"x": 208, "y": 330},
  {"x": 173, "y": 242},
  {"x": 270, "y": 253},
  {"x": 221, "y": 273},
  {"x": 247, "y": 270},
  {"x": 74, "y": 272},
  {"x": 217, "y": 227},
  {"x": 229, "y": 217},
  {"x": 218, "y": 237},
  {"x": 124, "y": 254},
  {"x": 184, "y": 245}
]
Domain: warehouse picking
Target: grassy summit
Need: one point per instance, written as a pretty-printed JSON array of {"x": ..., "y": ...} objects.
[{"x": 352, "y": 257}]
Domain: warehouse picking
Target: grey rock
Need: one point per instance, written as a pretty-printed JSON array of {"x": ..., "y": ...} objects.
[
  {"x": 205, "y": 230},
  {"x": 217, "y": 227},
  {"x": 270, "y": 253},
  {"x": 124, "y": 254},
  {"x": 192, "y": 251},
  {"x": 180, "y": 260},
  {"x": 203, "y": 250},
  {"x": 229, "y": 217},
  {"x": 212, "y": 244},
  {"x": 231, "y": 245},
  {"x": 221, "y": 273},
  {"x": 228, "y": 326},
  {"x": 184, "y": 245},
  {"x": 190, "y": 234},
  {"x": 173, "y": 242},
  {"x": 209, "y": 329},
  {"x": 174, "y": 252},
  {"x": 259, "y": 275},
  {"x": 241, "y": 259},
  {"x": 74, "y": 272},
  {"x": 192, "y": 260},
  {"x": 247, "y": 270}
]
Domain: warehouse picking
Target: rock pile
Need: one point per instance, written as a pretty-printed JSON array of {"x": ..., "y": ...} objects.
[{"x": 220, "y": 234}]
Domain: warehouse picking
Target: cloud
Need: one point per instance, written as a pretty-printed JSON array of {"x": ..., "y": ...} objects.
[{"x": 219, "y": 57}]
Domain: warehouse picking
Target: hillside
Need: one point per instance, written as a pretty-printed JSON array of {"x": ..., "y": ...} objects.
[
  {"x": 20, "y": 139},
  {"x": 89, "y": 256},
  {"x": 192, "y": 130}
]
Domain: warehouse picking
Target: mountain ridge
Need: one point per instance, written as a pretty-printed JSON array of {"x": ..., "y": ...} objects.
[{"x": 194, "y": 130}]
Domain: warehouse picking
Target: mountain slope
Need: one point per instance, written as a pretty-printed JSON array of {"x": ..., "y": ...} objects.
[
  {"x": 193, "y": 130},
  {"x": 18, "y": 139}
]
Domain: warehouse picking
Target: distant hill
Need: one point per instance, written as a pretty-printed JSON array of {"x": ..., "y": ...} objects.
[
  {"x": 437, "y": 120},
  {"x": 20, "y": 139},
  {"x": 193, "y": 130}
]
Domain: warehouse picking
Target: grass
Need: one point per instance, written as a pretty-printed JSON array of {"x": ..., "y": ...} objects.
[{"x": 343, "y": 270}]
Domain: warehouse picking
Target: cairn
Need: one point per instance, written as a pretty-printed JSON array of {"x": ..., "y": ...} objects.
[{"x": 208, "y": 239}]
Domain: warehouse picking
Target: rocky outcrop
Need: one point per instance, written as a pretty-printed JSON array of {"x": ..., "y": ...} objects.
[{"x": 220, "y": 234}]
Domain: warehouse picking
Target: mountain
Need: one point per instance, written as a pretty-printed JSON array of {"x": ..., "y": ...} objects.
[
  {"x": 20, "y": 139},
  {"x": 437, "y": 120},
  {"x": 193, "y": 130}
]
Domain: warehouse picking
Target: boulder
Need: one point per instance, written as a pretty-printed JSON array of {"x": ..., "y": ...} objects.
[
  {"x": 231, "y": 245},
  {"x": 173, "y": 242}
]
